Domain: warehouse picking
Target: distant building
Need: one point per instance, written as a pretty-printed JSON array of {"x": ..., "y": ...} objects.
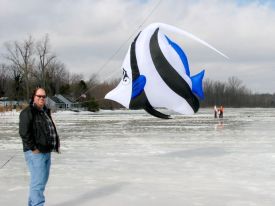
[
  {"x": 59, "y": 101},
  {"x": 55, "y": 103},
  {"x": 5, "y": 101}
]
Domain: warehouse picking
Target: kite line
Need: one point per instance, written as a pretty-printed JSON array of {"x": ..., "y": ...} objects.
[{"x": 121, "y": 46}]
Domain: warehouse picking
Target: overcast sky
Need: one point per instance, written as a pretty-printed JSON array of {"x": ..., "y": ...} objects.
[{"x": 85, "y": 34}]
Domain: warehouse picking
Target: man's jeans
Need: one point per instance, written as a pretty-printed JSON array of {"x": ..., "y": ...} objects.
[{"x": 39, "y": 167}]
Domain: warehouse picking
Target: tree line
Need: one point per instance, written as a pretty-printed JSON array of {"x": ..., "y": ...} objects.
[
  {"x": 234, "y": 94},
  {"x": 29, "y": 63}
]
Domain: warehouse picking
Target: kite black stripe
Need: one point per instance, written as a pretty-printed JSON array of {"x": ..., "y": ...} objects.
[
  {"x": 133, "y": 60},
  {"x": 173, "y": 80},
  {"x": 141, "y": 101}
]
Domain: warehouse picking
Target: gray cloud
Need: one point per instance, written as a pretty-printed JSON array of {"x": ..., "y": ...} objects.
[{"x": 85, "y": 34}]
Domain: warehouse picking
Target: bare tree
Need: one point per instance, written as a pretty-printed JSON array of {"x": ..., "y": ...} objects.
[
  {"x": 233, "y": 93},
  {"x": 20, "y": 55},
  {"x": 93, "y": 81},
  {"x": 57, "y": 76},
  {"x": 101, "y": 90},
  {"x": 4, "y": 78},
  {"x": 234, "y": 83},
  {"x": 45, "y": 58}
]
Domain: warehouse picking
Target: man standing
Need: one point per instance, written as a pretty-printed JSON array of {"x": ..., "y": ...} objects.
[
  {"x": 40, "y": 138},
  {"x": 221, "y": 112}
]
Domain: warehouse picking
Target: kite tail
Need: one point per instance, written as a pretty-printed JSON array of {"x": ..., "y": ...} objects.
[
  {"x": 185, "y": 33},
  {"x": 148, "y": 108}
]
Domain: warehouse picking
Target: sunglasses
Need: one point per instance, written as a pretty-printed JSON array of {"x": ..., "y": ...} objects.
[{"x": 41, "y": 96}]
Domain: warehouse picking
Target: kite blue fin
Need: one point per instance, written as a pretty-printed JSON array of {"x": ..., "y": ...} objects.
[
  {"x": 138, "y": 86},
  {"x": 197, "y": 84},
  {"x": 181, "y": 54}
]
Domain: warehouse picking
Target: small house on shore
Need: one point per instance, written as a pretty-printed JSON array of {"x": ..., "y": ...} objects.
[{"x": 59, "y": 101}]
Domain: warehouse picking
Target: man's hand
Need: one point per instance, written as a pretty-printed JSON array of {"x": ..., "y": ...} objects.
[{"x": 36, "y": 151}]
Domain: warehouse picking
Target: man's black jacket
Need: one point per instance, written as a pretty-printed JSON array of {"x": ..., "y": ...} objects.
[{"x": 34, "y": 130}]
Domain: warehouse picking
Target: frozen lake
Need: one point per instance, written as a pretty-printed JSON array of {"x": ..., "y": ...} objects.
[{"x": 128, "y": 158}]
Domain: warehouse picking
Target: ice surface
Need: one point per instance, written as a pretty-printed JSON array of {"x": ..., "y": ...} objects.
[{"x": 128, "y": 158}]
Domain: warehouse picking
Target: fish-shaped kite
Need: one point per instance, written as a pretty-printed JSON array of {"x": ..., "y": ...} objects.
[{"x": 156, "y": 74}]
